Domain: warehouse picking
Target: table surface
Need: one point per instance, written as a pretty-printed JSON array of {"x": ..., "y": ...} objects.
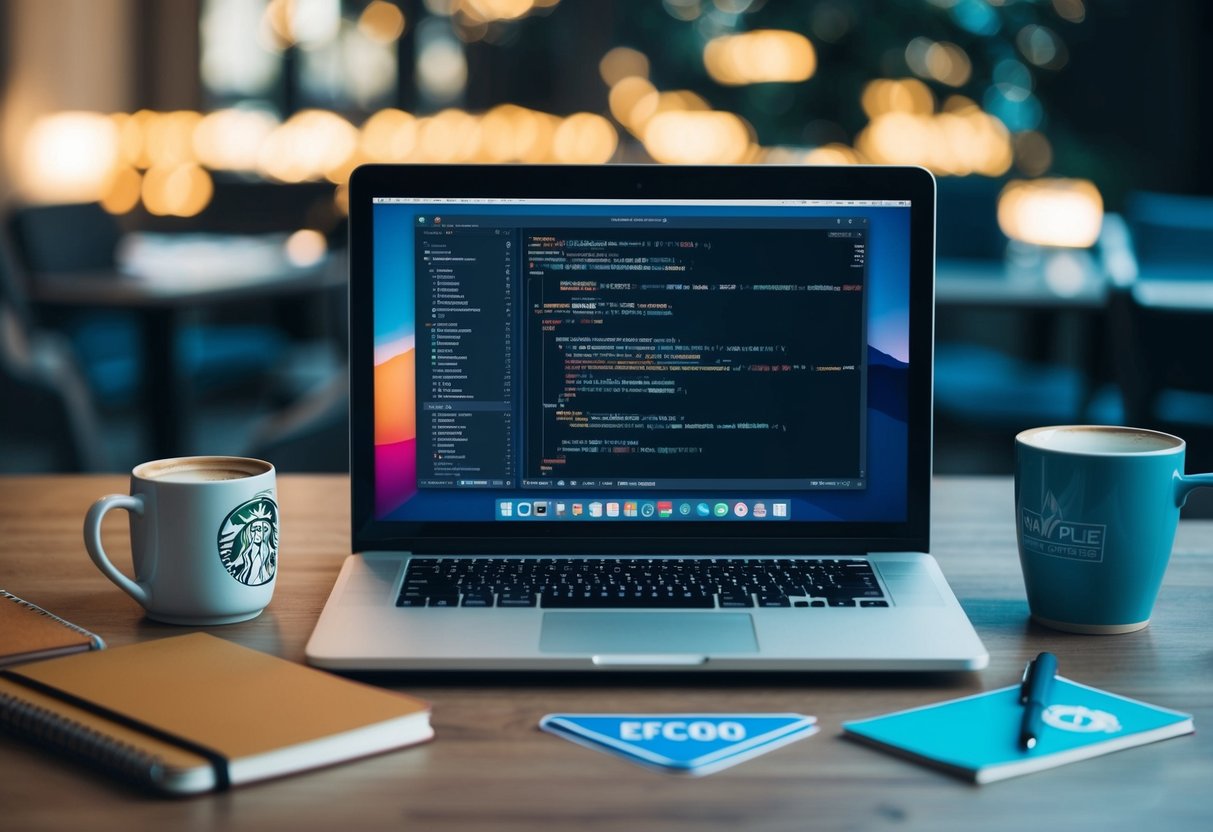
[{"x": 490, "y": 767}]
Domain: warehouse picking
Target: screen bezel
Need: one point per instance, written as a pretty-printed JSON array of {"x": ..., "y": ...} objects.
[{"x": 641, "y": 182}]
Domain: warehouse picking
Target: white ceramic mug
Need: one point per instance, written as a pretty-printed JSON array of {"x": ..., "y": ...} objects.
[{"x": 204, "y": 538}]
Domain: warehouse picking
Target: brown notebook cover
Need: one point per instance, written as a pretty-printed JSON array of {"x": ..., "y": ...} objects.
[
  {"x": 28, "y": 632},
  {"x": 194, "y": 713}
]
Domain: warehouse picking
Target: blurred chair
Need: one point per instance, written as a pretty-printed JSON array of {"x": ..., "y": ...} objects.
[
  {"x": 48, "y": 422},
  {"x": 84, "y": 238},
  {"x": 1161, "y": 317},
  {"x": 310, "y": 435}
]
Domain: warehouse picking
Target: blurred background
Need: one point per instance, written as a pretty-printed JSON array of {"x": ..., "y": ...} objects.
[{"x": 172, "y": 190}]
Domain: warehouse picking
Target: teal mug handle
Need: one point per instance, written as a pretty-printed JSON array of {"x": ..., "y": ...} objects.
[{"x": 1185, "y": 484}]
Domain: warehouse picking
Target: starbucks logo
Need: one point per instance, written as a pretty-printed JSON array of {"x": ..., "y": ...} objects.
[{"x": 248, "y": 541}]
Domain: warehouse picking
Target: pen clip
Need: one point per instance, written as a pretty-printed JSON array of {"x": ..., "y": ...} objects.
[{"x": 1024, "y": 683}]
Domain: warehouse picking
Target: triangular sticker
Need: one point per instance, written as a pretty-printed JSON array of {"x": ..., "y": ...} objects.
[{"x": 686, "y": 743}]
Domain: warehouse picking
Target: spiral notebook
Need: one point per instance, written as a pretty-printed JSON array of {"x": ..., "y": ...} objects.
[
  {"x": 29, "y": 633},
  {"x": 195, "y": 713}
]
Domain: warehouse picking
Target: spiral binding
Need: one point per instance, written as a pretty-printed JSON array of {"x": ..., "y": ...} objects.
[
  {"x": 78, "y": 741},
  {"x": 98, "y": 643}
]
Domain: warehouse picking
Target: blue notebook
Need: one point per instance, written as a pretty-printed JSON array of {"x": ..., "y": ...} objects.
[{"x": 977, "y": 737}]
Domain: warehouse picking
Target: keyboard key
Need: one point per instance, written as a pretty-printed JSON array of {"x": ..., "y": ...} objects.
[
  {"x": 774, "y": 601},
  {"x": 842, "y": 602},
  {"x": 516, "y": 599},
  {"x": 599, "y": 601},
  {"x": 736, "y": 598},
  {"x": 410, "y": 601},
  {"x": 866, "y": 603},
  {"x": 444, "y": 601}
]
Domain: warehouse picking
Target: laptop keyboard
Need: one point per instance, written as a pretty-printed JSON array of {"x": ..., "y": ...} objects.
[{"x": 623, "y": 583}]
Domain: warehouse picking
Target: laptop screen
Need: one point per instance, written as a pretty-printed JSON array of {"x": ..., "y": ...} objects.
[{"x": 585, "y": 361}]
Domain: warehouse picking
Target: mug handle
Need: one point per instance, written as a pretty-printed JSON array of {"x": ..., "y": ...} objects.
[
  {"x": 1185, "y": 484},
  {"x": 92, "y": 541}
]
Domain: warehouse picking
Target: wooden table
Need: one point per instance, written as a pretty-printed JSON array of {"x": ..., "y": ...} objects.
[{"x": 491, "y": 768}]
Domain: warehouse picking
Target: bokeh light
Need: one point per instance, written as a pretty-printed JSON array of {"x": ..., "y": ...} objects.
[
  {"x": 584, "y": 138},
  {"x": 905, "y": 129},
  {"x": 230, "y": 139},
  {"x": 388, "y": 136},
  {"x": 306, "y": 247},
  {"x": 181, "y": 190},
  {"x": 1051, "y": 212},
  {"x": 622, "y": 62},
  {"x": 940, "y": 61},
  {"x": 309, "y": 145},
  {"x": 381, "y": 22},
  {"x": 760, "y": 56},
  {"x": 68, "y": 157},
  {"x": 122, "y": 193},
  {"x": 697, "y": 137}
]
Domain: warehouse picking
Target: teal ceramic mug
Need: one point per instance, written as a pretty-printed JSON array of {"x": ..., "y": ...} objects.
[{"x": 1096, "y": 512}]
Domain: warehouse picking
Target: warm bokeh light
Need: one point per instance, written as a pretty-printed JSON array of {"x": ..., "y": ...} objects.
[
  {"x": 306, "y": 247},
  {"x": 626, "y": 95},
  {"x": 177, "y": 191},
  {"x": 389, "y": 136},
  {"x": 446, "y": 137},
  {"x": 832, "y": 154},
  {"x": 168, "y": 138},
  {"x": 940, "y": 61},
  {"x": 906, "y": 130},
  {"x": 68, "y": 157},
  {"x": 697, "y": 137},
  {"x": 510, "y": 133},
  {"x": 312, "y": 144},
  {"x": 308, "y": 23},
  {"x": 481, "y": 12},
  {"x": 1051, "y": 212},
  {"x": 584, "y": 138},
  {"x": 760, "y": 56},
  {"x": 905, "y": 95},
  {"x": 130, "y": 129},
  {"x": 622, "y": 62},
  {"x": 381, "y": 22},
  {"x": 122, "y": 194},
  {"x": 230, "y": 139}
]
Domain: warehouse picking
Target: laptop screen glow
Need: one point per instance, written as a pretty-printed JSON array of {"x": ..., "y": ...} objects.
[{"x": 578, "y": 361}]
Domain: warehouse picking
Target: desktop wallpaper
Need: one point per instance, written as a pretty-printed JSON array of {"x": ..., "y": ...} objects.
[{"x": 397, "y": 496}]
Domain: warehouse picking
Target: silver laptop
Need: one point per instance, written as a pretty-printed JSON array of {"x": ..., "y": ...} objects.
[{"x": 657, "y": 418}]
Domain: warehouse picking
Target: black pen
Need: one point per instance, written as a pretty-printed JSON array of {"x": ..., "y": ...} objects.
[{"x": 1034, "y": 695}]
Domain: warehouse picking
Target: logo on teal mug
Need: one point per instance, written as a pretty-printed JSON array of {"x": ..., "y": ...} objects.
[{"x": 1096, "y": 512}]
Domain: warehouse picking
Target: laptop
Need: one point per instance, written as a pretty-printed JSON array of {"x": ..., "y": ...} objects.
[{"x": 641, "y": 418}]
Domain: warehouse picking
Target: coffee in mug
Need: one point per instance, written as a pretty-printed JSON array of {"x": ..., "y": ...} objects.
[
  {"x": 1096, "y": 511},
  {"x": 204, "y": 538}
]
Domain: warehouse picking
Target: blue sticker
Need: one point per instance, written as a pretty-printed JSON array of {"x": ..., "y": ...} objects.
[{"x": 686, "y": 743}]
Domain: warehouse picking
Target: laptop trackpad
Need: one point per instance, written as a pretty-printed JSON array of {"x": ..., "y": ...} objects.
[{"x": 647, "y": 634}]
